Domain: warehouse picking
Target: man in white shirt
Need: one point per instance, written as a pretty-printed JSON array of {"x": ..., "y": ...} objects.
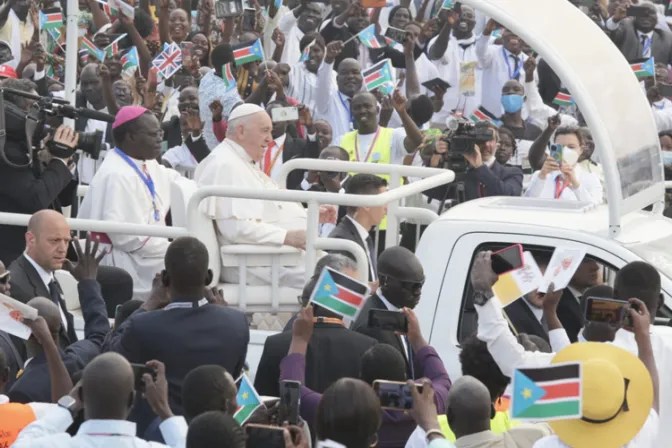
[
  {"x": 132, "y": 187},
  {"x": 332, "y": 102},
  {"x": 235, "y": 162},
  {"x": 302, "y": 77},
  {"x": 303, "y": 19},
  {"x": 106, "y": 394}
]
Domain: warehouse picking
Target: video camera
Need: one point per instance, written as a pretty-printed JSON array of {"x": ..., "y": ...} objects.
[{"x": 32, "y": 126}]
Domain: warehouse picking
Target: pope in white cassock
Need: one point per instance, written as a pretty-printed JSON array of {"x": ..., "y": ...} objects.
[
  {"x": 234, "y": 162},
  {"x": 132, "y": 187}
]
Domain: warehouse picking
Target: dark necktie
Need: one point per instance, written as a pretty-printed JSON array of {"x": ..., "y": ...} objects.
[
  {"x": 372, "y": 254},
  {"x": 516, "y": 61},
  {"x": 645, "y": 39},
  {"x": 465, "y": 46},
  {"x": 54, "y": 293},
  {"x": 544, "y": 324}
]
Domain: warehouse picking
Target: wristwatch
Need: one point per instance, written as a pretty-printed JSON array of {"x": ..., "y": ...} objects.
[
  {"x": 481, "y": 297},
  {"x": 68, "y": 403}
]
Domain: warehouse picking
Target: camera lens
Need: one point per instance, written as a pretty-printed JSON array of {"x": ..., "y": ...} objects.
[{"x": 91, "y": 143}]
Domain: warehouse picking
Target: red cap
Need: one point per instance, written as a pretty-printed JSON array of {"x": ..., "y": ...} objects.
[{"x": 7, "y": 72}]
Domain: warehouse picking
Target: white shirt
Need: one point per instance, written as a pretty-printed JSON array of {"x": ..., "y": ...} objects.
[
  {"x": 273, "y": 157},
  {"x": 590, "y": 188},
  {"x": 49, "y": 432},
  {"x": 330, "y": 104},
  {"x": 538, "y": 112},
  {"x": 39, "y": 409},
  {"x": 426, "y": 71},
  {"x": 302, "y": 85},
  {"x": 496, "y": 72},
  {"x": 662, "y": 104},
  {"x": 47, "y": 277},
  {"x": 271, "y": 25},
  {"x": 87, "y": 166},
  {"x": 180, "y": 157},
  {"x": 645, "y": 438},
  {"x": 364, "y": 236},
  {"x": 293, "y": 35},
  {"x": 391, "y": 307},
  {"x": 449, "y": 70}
]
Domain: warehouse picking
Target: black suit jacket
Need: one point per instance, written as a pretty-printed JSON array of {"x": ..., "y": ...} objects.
[
  {"x": 334, "y": 352},
  {"x": 173, "y": 136},
  {"x": 14, "y": 356},
  {"x": 319, "y": 187},
  {"x": 298, "y": 148},
  {"x": 549, "y": 83},
  {"x": 27, "y": 284},
  {"x": 523, "y": 319},
  {"x": 33, "y": 384},
  {"x": 80, "y": 122},
  {"x": 627, "y": 40},
  {"x": 498, "y": 180},
  {"x": 183, "y": 339},
  {"x": 346, "y": 230},
  {"x": 570, "y": 314}
]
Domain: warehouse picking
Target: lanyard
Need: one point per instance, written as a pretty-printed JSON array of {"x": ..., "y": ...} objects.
[
  {"x": 661, "y": 107},
  {"x": 647, "y": 46},
  {"x": 146, "y": 179},
  {"x": 373, "y": 144},
  {"x": 175, "y": 305},
  {"x": 347, "y": 108},
  {"x": 516, "y": 73},
  {"x": 268, "y": 163},
  {"x": 560, "y": 186}
]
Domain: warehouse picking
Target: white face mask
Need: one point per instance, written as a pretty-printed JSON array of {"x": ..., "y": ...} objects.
[{"x": 570, "y": 156}]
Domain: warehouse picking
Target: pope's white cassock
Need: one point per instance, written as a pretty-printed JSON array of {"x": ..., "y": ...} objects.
[
  {"x": 248, "y": 221},
  {"x": 118, "y": 194}
]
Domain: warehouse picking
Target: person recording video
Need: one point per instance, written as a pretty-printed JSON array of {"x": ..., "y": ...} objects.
[{"x": 49, "y": 182}]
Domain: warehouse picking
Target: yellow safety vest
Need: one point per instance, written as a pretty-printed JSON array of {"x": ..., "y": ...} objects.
[
  {"x": 380, "y": 153},
  {"x": 500, "y": 424}
]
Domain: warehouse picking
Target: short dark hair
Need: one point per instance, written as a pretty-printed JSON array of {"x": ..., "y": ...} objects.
[
  {"x": 344, "y": 154},
  {"x": 125, "y": 310},
  {"x": 204, "y": 389},
  {"x": 186, "y": 263},
  {"x": 364, "y": 184},
  {"x": 215, "y": 428},
  {"x": 477, "y": 361},
  {"x": 382, "y": 362},
  {"x": 639, "y": 280},
  {"x": 421, "y": 109},
  {"x": 349, "y": 413},
  {"x": 309, "y": 37},
  {"x": 222, "y": 54},
  {"x": 24, "y": 85},
  {"x": 143, "y": 22},
  {"x": 508, "y": 133},
  {"x": 130, "y": 127},
  {"x": 570, "y": 130}
]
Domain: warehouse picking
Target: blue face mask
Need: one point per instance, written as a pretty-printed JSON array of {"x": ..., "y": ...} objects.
[
  {"x": 512, "y": 103},
  {"x": 667, "y": 158}
]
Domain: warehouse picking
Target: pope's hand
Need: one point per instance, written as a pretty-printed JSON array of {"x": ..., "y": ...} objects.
[
  {"x": 328, "y": 214},
  {"x": 296, "y": 238}
]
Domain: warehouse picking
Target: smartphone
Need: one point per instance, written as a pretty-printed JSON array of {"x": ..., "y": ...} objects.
[
  {"x": 228, "y": 8},
  {"x": 185, "y": 48},
  {"x": 665, "y": 90},
  {"x": 394, "y": 395},
  {"x": 290, "y": 397},
  {"x": 395, "y": 34},
  {"x": 266, "y": 436},
  {"x": 279, "y": 114},
  {"x": 249, "y": 17},
  {"x": 608, "y": 311},
  {"x": 638, "y": 11},
  {"x": 138, "y": 371},
  {"x": 556, "y": 152},
  {"x": 373, "y": 3},
  {"x": 508, "y": 259},
  {"x": 388, "y": 320},
  {"x": 429, "y": 85}
]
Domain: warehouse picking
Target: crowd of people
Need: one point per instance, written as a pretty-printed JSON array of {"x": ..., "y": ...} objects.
[{"x": 202, "y": 100}]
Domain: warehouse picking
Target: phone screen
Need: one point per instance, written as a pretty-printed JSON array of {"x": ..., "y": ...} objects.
[
  {"x": 637, "y": 11},
  {"x": 396, "y": 34},
  {"x": 228, "y": 8},
  {"x": 266, "y": 436},
  {"x": 394, "y": 395},
  {"x": 290, "y": 395},
  {"x": 138, "y": 371},
  {"x": 665, "y": 90},
  {"x": 556, "y": 152},
  {"x": 388, "y": 320},
  {"x": 279, "y": 114},
  {"x": 249, "y": 19},
  {"x": 507, "y": 259},
  {"x": 608, "y": 311}
]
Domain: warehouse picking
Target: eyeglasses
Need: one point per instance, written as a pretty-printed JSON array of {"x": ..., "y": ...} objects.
[
  {"x": 408, "y": 285},
  {"x": 4, "y": 278}
]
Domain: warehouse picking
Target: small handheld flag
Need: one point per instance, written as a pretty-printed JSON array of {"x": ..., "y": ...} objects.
[
  {"x": 448, "y": 4},
  {"x": 248, "y": 52},
  {"x": 497, "y": 33},
  {"x": 547, "y": 393},
  {"x": 482, "y": 114},
  {"x": 50, "y": 20},
  {"x": 248, "y": 400},
  {"x": 339, "y": 293},
  {"x": 378, "y": 75},
  {"x": 108, "y": 8},
  {"x": 113, "y": 48},
  {"x": 305, "y": 55},
  {"x": 227, "y": 76},
  {"x": 563, "y": 99},
  {"x": 644, "y": 68},
  {"x": 370, "y": 39},
  {"x": 277, "y": 3},
  {"x": 123, "y": 7},
  {"x": 130, "y": 60},
  {"x": 91, "y": 47},
  {"x": 169, "y": 60}
]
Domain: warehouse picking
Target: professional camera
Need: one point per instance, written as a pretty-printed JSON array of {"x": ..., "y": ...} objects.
[{"x": 33, "y": 126}]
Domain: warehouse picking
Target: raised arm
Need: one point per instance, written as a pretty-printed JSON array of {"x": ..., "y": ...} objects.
[
  {"x": 325, "y": 83},
  {"x": 537, "y": 153},
  {"x": 438, "y": 49},
  {"x": 484, "y": 51},
  {"x": 641, "y": 320},
  {"x": 100, "y": 19}
]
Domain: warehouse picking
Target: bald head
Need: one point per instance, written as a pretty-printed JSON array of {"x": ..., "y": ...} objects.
[
  {"x": 47, "y": 239},
  {"x": 469, "y": 406},
  {"x": 513, "y": 87},
  {"x": 107, "y": 387},
  {"x": 400, "y": 263},
  {"x": 50, "y": 312}
]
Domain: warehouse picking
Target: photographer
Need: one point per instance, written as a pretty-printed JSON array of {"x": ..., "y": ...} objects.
[
  {"x": 48, "y": 183},
  {"x": 483, "y": 176}
]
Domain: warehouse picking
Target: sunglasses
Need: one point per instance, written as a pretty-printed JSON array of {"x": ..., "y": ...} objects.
[{"x": 407, "y": 285}]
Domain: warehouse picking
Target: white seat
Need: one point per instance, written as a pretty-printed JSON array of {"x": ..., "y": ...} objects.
[{"x": 69, "y": 287}]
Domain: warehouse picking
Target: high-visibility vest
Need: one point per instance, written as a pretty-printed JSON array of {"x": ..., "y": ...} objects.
[
  {"x": 380, "y": 153},
  {"x": 13, "y": 418},
  {"x": 500, "y": 424}
]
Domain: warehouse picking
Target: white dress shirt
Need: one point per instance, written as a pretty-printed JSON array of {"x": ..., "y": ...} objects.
[
  {"x": 302, "y": 85},
  {"x": 293, "y": 35},
  {"x": 180, "y": 157},
  {"x": 330, "y": 104},
  {"x": 273, "y": 157},
  {"x": 39, "y": 409},
  {"x": 391, "y": 307},
  {"x": 662, "y": 104},
  {"x": 364, "y": 235},
  {"x": 538, "y": 112},
  {"x": 47, "y": 277},
  {"x": 590, "y": 188},
  {"x": 449, "y": 70},
  {"x": 49, "y": 432}
]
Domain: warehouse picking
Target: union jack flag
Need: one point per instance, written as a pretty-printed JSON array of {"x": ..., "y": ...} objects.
[{"x": 169, "y": 61}]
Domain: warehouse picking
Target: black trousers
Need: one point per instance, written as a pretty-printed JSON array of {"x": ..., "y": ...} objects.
[{"x": 408, "y": 232}]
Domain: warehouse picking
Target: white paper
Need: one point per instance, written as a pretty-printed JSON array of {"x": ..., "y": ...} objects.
[
  {"x": 329, "y": 444},
  {"x": 12, "y": 313},
  {"x": 564, "y": 263}
]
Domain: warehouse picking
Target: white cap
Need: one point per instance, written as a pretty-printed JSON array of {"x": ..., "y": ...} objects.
[{"x": 244, "y": 110}]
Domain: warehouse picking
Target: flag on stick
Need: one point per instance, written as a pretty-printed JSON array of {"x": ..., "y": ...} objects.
[
  {"x": 563, "y": 98},
  {"x": 339, "y": 293},
  {"x": 305, "y": 55},
  {"x": 108, "y": 8},
  {"x": 248, "y": 400},
  {"x": 378, "y": 75},
  {"x": 227, "y": 76},
  {"x": 122, "y": 7},
  {"x": 113, "y": 48},
  {"x": 248, "y": 52},
  {"x": 370, "y": 39},
  {"x": 91, "y": 47},
  {"x": 644, "y": 68},
  {"x": 547, "y": 393},
  {"x": 50, "y": 20},
  {"x": 482, "y": 114},
  {"x": 130, "y": 59},
  {"x": 169, "y": 60},
  {"x": 448, "y": 4}
]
